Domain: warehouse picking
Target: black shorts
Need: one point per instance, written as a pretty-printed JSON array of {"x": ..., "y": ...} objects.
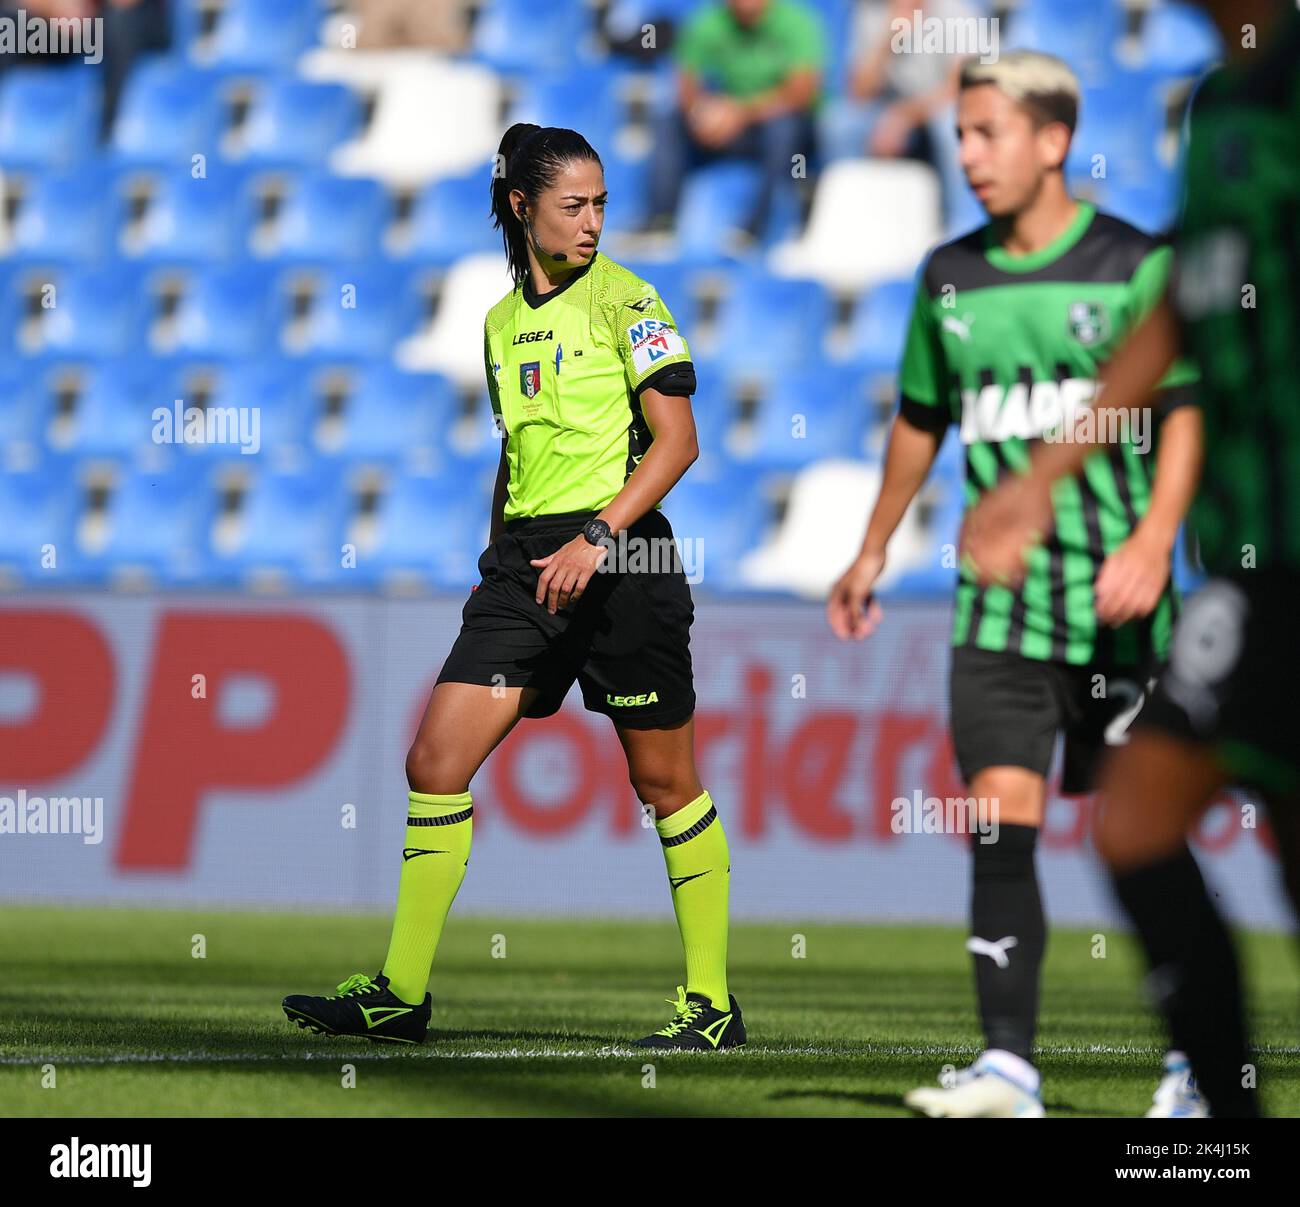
[
  {"x": 626, "y": 640},
  {"x": 1006, "y": 710},
  {"x": 1231, "y": 679}
]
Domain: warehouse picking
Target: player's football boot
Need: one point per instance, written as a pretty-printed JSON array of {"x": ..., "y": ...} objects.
[
  {"x": 1176, "y": 1096},
  {"x": 698, "y": 1026},
  {"x": 363, "y": 1006},
  {"x": 989, "y": 1089}
]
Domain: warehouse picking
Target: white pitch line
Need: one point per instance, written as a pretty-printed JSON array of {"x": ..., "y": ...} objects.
[{"x": 1150, "y": 1053}]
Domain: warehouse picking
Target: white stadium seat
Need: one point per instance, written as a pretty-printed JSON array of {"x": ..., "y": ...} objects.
[{"x": 871, "y": 220}]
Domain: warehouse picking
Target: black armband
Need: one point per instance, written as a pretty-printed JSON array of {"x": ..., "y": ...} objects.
[{"x": 678, "y": 379}]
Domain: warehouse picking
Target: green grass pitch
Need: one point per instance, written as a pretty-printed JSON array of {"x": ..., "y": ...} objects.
[{"x": 131, "y": 1023}]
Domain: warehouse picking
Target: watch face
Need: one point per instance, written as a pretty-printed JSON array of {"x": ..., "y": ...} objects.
[{"x": 595, "y": 531}]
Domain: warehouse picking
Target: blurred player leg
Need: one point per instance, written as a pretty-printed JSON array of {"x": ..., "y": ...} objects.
[{"x": 1155, "y": 789}]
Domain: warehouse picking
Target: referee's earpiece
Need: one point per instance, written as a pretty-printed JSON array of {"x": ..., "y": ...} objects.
[{"x": 528, "y": 227}]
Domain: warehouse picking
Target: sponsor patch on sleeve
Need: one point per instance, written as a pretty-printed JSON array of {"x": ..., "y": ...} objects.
[{"x": 652, "y": 341}]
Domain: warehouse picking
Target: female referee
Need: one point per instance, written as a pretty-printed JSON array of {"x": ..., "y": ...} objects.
[{"x": 590, "y": 385}]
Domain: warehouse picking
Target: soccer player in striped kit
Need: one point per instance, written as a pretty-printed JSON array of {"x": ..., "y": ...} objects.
[{"x": 1009, "y": 328}]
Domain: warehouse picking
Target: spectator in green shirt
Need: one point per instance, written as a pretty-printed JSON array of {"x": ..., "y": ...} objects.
[{"x": 748, "y": 84}]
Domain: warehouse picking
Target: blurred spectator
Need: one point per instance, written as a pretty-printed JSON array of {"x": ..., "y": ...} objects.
[
  {"x": 434, "y": 24},
  {"x": 892, "y": 95},
  {"x": 131, "y": 27},
  {"x": 748, "y": 85}
]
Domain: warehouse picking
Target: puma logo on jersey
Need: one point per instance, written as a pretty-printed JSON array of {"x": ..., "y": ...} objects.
[
  {"x": 960, "y": 327},
  {"x": 533, "y": 337},
  {"x": 997, "y": 952}
]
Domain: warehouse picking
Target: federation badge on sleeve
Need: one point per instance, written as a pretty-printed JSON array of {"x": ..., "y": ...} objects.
[{"x": 530, "y": 378}]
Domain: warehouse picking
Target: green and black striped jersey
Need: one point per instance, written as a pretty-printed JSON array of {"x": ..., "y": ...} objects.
[
  {"x": 1008, "y": 348},
  {"x": 1237, "y": 296}
]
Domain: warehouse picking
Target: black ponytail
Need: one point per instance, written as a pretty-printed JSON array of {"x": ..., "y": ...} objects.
[{"x": 529, "y": 159}]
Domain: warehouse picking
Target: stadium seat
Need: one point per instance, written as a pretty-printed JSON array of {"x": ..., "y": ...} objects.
[
  {"x": 288, "y": 530},
  {"x": 788, "y": 329},
  {"x": 723, "y": 515},
  {"x": 326, "y": 219},
  {"x": 49, "y": 116},
  {"x": 23, "y": 420},
  {"x": 226, "y": 312},
  {"x": 923, "y": 561},
  {"x": 298, "y": 123},
  {"x": 1124, "y": 124},
  {"x": 452, "y": 343},
  {"x": 871, "y": 220},
  {"x": 40, "y": 510},
  {"x": 392, "y": 417},
  {"x": 354, "y": 311},
  {"x": 627, "y": 181},
  {"x": 261, "y": 35},
  {"x": 806, "y": 555},
  {"x": 272, "y": 390},
  {"x": 589, "y": 99},
  {"x": 194, "y": 219},
  {"x": 715, "y": 199},
  {"x": 878, "y": 328},
  {"x": 157, "y": 525},
  {"x": 109, "y": 418},
  {"x": 1085, "y": 33},
  {"x": 433, "y": 116},
  {"x": 428, "y": 530},
  {"x": 66, "y": 218},
  {"x": 170, "y": 111},
  {"x": 1178, "y": 39},
  {"x": 96, "y": 312},
  {"x": 557, "y": 32},
  {"x": 450, "y": 219},
  {"x": 805, "y": 414}
]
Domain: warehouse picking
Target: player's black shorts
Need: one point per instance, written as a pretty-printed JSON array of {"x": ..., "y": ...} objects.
[
  {"x": 626, "y": 640},
  {"x": 1232, "y": 676},
  {"x": 1006, "y": 710}
]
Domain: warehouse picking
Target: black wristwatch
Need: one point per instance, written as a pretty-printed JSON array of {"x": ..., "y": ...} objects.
[{"x": 596, "y": 531}]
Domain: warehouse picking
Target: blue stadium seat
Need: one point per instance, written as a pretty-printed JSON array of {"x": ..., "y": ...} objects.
[
  {"x": 788, "y": 328},
  {"x": 1151, "y": 207},
  {"x": 23, "y": 420},
  {"x": 39, "y": 509},
  {"x": 191, "y": 219},
  {"x": 807, "y": 414},
  {"x": 227, "y": 312},
  {"x": 329, "y": 218},
  {"x": 97, "y": 312},
  {"x": 714, "y": 409},
  {"x": 588, "y": 99},
  {"x": 526, "y": 36},
  {"x": 1124, "y": 121},
  {"x": 432, "y": 529},
  {"x": 49, "y": 116},
  {"x": 450, "y": 219},
  {"x": 291, "y": 524},
  {"x": 675, "y": 282},
  {"x": 264, "y": 35},
  {"x": 715, "y": 199},
  {"x": 879, "y": 326},
  {"x": 627, "y": 181},
  {"x": 158, "y": 523},
  {"x": 942, "y": 498},
  {"x": 66, "y": 218},
  {"x": 1085, "y": 33},
  {"x": 298, "y": 123},
  {"x": 1179, "y": 39},
  {"x": 356, "y": 311},
  {"x": 170, "y": 111},
  {"x": 111, "y": 416},
  {"x": 724, "y": 515},
  {"x": 391, "y": 416},
  {"x": 266, "y": 398}
]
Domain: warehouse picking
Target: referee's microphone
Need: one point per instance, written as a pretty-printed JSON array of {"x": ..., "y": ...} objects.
[{"x": 541, "y": 251}]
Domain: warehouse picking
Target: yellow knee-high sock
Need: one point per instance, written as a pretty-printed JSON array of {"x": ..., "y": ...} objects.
[
  {"x": 438, "y": 831},
  {"x": 699, "y": 871}
]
